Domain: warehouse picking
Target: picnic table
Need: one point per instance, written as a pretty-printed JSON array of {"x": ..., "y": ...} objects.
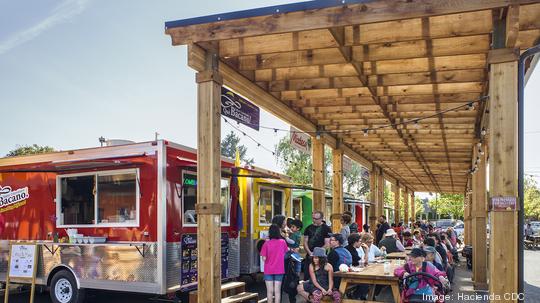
[
  {"x": 532, "y": 241},
  {"x": 398, "y": 255},
  {"x": 373, "y": 275}
]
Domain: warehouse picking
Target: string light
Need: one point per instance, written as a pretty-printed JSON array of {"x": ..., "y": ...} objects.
[
  {"x": 416, "y": 124},
  {"x": 484, "y": 131},
  {"x": 469, "y": 106},
  {"x": 365, "y": 132}
]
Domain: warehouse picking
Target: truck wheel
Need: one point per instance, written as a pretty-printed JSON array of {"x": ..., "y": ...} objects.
[{"x": 64, "y": 288}]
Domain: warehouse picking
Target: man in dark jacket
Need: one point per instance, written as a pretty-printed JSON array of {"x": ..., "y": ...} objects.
[{"x": 383, "y": 227}]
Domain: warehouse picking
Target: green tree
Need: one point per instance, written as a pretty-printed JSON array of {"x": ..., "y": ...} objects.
[
  {"x": 230, "y": 143},
  {"x": 29, "y": 150},
  {"x": 418, "y": 207},
  {"x": 531, "y": 197},
  {"x": 295, "y": 164},
  {"x": 354, "y": 181},
  {"x": 299, "y": 165},
  {"x": 448, "y": 204}
]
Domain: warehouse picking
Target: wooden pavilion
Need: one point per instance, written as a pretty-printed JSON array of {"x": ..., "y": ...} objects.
[{"x": 421, "y": 92}]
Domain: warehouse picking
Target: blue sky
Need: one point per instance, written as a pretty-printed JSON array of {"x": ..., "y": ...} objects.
[{"x": 72, "y": 71}]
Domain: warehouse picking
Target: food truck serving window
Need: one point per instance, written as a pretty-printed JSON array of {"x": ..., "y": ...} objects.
[
  {"x": 270, "y": 204},
  {"x": 189, "y": 199},
  {"x": 108, "y": 198}
]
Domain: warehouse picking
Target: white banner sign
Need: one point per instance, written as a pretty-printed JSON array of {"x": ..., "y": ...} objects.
[
  {"x": 299, "y": 140},
  {"x": 347, "y": 165}
]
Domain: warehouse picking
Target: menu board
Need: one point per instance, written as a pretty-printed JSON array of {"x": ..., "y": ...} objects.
[
  {"x": 188, "y": 273},
  {"x": 22, "y": 261}
]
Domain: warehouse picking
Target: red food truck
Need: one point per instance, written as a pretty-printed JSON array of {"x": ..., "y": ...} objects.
[{"x": 129, "y": 211}]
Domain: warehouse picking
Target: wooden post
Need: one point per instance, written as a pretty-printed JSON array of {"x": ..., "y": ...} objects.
[
  {"x": 395, "y": 189},
  {"x": 373, "y": 184},
  {"x": 337, "y": 189},
  {"x": 406, "y": 206},
  {"x": 467, "y": 219},
  {"x": 413, "y": 209},
  {"x": 208, "y": 179},
  {"x": 317, "y": 151},
  {"x": 503, "y": 177},
  {"x": 380, "y": 194},
  {"x": 479, "y": 214}
]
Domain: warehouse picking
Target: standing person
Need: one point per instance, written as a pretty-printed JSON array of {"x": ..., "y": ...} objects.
[
  {"x": 365, "y": 227},
  {"x": 383, "y": 227},
  {"x": 295, "y": 227},
  {"x": 273, "y": 255},
  {"x": 345, "y": 230},
  {"x": 321, "y": 279},
  {"x": 315, "y": 235},
  {"x": 353, "y": 226}
]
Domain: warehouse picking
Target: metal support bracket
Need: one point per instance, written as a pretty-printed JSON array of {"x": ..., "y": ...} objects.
[
  {"x": 141, "y": 248},
  {"x": 52, "y": 249}
]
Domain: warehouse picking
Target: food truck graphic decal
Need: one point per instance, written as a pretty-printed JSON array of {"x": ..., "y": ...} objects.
[{"x": 10, "y": 199}]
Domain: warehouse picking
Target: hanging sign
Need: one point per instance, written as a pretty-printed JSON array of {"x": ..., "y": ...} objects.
[
  {"x": 365, "y": 173},
  {"x": 299, "y": 140},
  {"x": 347, "y": 165},
  {"x": 503, "y": 203},
  {"x": 239, "y": 109}
]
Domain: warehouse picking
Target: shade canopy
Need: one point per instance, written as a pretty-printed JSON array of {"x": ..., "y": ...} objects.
[{"x": 398, "y": 84}]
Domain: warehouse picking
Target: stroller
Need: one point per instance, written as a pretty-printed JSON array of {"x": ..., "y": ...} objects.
[{"x": 434, "y": 292}]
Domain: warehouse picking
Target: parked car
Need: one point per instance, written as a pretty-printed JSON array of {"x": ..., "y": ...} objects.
[
  {"x": 459, "y": 228},
  {"x": 443, "y": 224},
  {"x": 535, "y": 225}
]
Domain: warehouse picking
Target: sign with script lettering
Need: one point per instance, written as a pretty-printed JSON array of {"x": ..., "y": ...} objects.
[
  {"x": 239, "y": 109},
  {"x": 503, "y": 203},
  {"x": 299, "y": 140}
]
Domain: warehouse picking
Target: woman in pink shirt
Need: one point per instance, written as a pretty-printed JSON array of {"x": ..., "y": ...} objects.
[{"x": 273, "y": 254}]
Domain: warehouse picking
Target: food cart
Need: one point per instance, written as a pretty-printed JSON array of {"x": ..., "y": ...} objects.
[
  {"x": 130, "y": 212},
  {"x": 262, "y": 198}
]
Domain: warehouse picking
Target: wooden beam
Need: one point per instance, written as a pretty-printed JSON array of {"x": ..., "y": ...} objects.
[
  {"x": 317, "y": 156},
  {"x": 503, "y": 167},
  {"x": 259, "y": 96},
  {"x": 512, "y": 26},
  {"x": 373, "y": 209},
  {"x": 209, "y": 176},
  {"x": 337, "y": 189},
  {"x": 363, "y": 13},
  {"x": 413, "y": 207}
]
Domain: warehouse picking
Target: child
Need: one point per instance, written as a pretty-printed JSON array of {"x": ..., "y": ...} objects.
[
  {"x": 421, "y": 285},
  {"x": 321, "y": 282},
  {"x": 295, "y": 226},
  {"x": 273, "y": 253}
]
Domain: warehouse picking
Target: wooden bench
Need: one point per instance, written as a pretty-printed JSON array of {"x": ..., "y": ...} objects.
[
  {"x": 241, "y": 297},
  {"x": 227, "y": 289}
]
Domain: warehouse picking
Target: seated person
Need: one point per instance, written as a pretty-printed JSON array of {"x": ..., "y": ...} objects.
[
  {"x": 372, "y": 250},
  {"x": 321, "y": 279},
  {"x": 407, "y": 239},
  {"x": 354, "y": 244},
  {"x": 422, "y": 285},
  {"x": 390, "y": 242},
  {"x": 431, "y": 252}
]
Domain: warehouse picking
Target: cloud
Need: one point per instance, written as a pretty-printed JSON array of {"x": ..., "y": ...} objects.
[{"x": 60, "y": 14}]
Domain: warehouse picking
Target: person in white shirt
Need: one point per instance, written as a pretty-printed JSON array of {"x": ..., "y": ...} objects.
[{"x": 372, "y": 250}]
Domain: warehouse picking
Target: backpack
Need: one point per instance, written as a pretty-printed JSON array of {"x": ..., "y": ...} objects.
[{"x": 291, "y": 278}]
